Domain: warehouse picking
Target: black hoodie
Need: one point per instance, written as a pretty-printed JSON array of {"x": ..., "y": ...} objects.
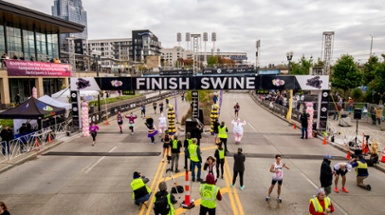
[{"x": 326, "y": 176}]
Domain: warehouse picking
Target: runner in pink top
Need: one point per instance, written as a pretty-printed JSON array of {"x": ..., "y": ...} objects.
[
  {"x": 131, "y": 121},
  {"x": 94, "y": 131}
]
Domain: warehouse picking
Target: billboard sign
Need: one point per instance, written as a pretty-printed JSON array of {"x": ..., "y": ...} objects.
[{"x": 30, "y": 68}]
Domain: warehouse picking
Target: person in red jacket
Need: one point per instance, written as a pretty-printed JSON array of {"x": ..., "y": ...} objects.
[{"x": 321, "y": 204}]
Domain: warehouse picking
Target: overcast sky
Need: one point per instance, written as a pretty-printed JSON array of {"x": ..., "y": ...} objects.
[{"x": 281, "y": 25}]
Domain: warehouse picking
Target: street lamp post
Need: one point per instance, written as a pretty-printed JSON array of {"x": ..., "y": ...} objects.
[
  {"x": 289, "y": 57},
  {"x": 371, "y": 46},
  {"x": 71, "y": 54},
  {"x": 95, "y": 53}
]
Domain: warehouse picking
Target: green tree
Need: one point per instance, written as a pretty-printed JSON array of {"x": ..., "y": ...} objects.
[
  {"x": 379, "y": 80},
  {"x": 302, "y": 67},
  {"x": 369, "y": 70},
  {"x": 346, "y": 75},
  {"x": 212, "y": 61},
  {"x": 357, "y": 95}
]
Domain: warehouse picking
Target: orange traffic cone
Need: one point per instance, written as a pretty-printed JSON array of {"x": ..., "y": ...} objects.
[
  {"x": 325, "y": 141},
  {"x": 295, "y": 126},
  {"x": 383, "y": 157},
  {"x": 107, "y": 122},
  {"x": 49, "y": 138},
  {"x": 37, "y": 142},
  {"x": 348, "y": 157}
]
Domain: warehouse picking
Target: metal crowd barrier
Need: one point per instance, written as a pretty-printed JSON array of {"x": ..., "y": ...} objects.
[{"x": 34, "y": 141}]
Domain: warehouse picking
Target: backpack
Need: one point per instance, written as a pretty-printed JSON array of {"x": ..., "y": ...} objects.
[{"x": 161, "y": 204}]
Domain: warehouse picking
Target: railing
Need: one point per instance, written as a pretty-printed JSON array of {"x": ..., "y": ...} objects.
[{"x": 35, "y": 141}]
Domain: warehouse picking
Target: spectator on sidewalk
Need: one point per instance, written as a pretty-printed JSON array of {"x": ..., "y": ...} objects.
[
  {"x": 6, "y": 135},
  {"x": 379, "y": 112}
]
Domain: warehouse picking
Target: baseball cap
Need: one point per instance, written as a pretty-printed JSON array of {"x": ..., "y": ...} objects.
[{"x": 327, "y": 156}]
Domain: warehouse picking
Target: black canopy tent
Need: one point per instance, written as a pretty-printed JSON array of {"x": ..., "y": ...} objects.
[{"x": 32, "y": 109}]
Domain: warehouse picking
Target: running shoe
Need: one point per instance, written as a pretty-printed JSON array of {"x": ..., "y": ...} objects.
[
  {"x": 345, "y": 190},
  {"x": 279, "y": 199},
  {"x": 336, "y": 189},
  {"x": 267, "y": 198},
  {"x": 232, "y": 185},
  {"x": 243, "y": 187},
  {"x": 162, "y": 159}
]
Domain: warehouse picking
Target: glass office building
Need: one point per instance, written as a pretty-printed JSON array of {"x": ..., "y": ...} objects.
[
  {"x": 71, "y": 10},
  {"x": 30, "y": 38}
]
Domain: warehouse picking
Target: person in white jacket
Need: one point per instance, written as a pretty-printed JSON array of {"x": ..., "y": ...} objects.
[
  {"x": 238, "y": 130},
  {"x": 162, "y": 125}
]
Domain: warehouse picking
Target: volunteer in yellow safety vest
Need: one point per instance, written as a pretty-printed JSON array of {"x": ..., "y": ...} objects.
[
  {"x": 210, "y": 194},
  {"x": 361, "y": 171},
  {"x": 220, "y": 157},
  {"x": 188, "y": 141},
  {"x": 175, "y": 151},
  {"x": 321, "y": 204},
  {"x": 194, "y": 153},
  {"x": 222, "y": 134},
  {"x": 140, "y": 191},
  {"x": 169, "y": 210}
]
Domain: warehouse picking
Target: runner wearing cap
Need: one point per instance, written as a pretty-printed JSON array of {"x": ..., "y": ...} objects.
[
  {"x": 326, "y": 174},
  {"x": 341, "y": 169}
]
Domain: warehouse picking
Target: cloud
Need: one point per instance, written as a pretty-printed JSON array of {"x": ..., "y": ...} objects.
[{"x": 281, "y": 25}]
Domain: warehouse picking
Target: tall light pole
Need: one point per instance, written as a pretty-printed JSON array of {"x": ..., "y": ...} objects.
[
  {"x": 289, "y": 56},
  {"x": 371, "y": 46},
  {"x": 71, "y": 54},
  {"x": 258, "y": 44}
]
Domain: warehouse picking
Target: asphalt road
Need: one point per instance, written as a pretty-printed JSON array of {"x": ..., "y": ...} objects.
[{"x": 76, "y": 178}]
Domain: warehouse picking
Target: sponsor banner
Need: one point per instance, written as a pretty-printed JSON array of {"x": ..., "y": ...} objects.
[
  {"x": 323, "y": 116},
  {"x": 75, "y": 102},
  {"x": 87, "y": 83},
  {"x": 31, "y": 68},
  {"x": 269, "y": 72},
  {"x": 235, "y": 71},
  {"x": 163, "y": 83},
  {"x": 262, "y": 82},
  {"x": 195, "y": 106},
  {"x": 115, "y": 83},
  {"x": 226, "y": 83},
  {"x": 176, "y": 73},
  {"x": 313, "y": 82},
  {"x": 278, "y": 82}
]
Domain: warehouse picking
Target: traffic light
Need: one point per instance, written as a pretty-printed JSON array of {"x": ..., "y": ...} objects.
[{"x": 79, "y": 46}]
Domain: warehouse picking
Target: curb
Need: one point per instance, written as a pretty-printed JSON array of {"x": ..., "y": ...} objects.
[{"x": 29, "y": 156}]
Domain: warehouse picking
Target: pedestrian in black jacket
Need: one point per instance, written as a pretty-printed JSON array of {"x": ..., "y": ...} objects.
[
  {"x": 239, "y": 168},
  {"x": 6, "y": 135},
  {"x": 326, "y": 175}
]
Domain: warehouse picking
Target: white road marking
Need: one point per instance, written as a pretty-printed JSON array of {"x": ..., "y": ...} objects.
[
  {"x": 252, "y": 126},
  {"x": 98, "y": 161}
]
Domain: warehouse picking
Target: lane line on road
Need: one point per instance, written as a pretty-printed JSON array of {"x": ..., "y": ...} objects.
[
  {"x": 98, "y": 161},
  {"x": 153, "y": 187},
  {"x": 239, "y": 207},
  {"x": 252, "y": 126}
]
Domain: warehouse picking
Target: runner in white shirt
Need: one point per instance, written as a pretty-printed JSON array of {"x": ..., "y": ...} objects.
[
  {"x": 277, "y": 170},
  {"x": 162, "y": 124}
]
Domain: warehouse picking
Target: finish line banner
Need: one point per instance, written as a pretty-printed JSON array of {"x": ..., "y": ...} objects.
[{"x": 269, "y": 82}]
